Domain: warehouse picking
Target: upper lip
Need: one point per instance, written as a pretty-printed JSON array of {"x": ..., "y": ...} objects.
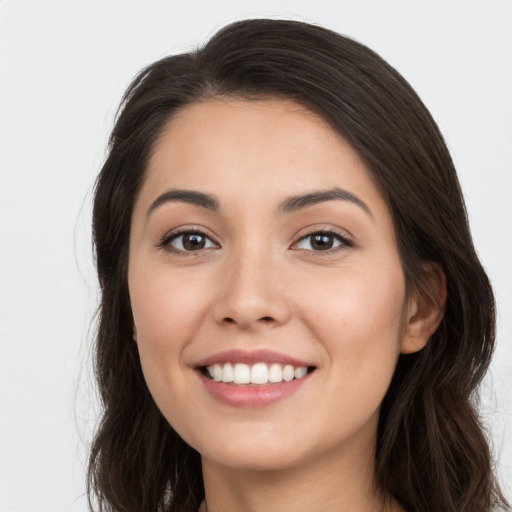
[{"x": 251, "y": 357}]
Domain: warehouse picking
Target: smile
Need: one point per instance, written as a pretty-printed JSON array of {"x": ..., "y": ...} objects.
[
  {"x": 258, "y": 374},
  {"x": 253, "y": 379}
]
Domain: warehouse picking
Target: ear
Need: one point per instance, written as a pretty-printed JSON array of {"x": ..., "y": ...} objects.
[
  {"x": 426, "y": 309},
  {"x": 134, "y": 333}
]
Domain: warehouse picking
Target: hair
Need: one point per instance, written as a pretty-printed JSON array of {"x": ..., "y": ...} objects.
[{"x": 432, "y": 453}]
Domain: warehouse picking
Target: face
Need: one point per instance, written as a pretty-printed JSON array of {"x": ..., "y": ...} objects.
[{"x": 261, "y": 251}]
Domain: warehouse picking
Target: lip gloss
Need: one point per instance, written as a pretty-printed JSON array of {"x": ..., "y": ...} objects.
[
  {"x": 251, "y": 357},
  {"x": 251, "y": 395}
]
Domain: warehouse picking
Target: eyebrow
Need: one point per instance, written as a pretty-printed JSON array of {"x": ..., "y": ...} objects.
[
  {"x": 185, "y": 196},
  {"x": 290, "y": 205},
  {"x": 294, "y": 203}
]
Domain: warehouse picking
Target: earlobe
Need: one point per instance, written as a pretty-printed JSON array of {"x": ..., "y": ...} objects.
[{"x": 426, "y": 309}]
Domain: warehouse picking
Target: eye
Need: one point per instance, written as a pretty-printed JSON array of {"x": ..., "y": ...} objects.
[
  {"x": 187, "y": 241},
  {"x": 322, "y": 241}
]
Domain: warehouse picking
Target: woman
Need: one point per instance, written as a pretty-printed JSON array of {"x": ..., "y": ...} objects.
[{"x": 293, "y": 315}]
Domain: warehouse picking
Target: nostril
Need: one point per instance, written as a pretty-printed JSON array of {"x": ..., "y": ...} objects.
[{"x": 264, "y": 319}]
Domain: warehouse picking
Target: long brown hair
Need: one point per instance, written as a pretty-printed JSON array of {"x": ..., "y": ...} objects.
[{"x": 431, "y": 450}]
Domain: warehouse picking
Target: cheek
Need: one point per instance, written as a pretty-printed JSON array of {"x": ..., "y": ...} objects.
[
  {"x": 359, "y": 320},
  {"x": 166, "y": 306},
  {"x": 366, "y": 300},
  {"x": 360, "y": 329},
  {"x": 167, "y": 309}
]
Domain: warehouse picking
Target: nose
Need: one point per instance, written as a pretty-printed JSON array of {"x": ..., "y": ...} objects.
[{"x": 252, "y": 294}]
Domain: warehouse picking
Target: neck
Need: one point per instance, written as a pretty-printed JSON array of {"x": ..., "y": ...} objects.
[{"x": 333, "y": 482}]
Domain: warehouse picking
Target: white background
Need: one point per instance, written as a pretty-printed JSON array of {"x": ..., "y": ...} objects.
[{"x": 63, "y": 68}]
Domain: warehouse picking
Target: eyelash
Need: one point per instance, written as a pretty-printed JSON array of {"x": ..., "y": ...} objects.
[
  {"x": 166, "y": 241},
  {"x": 344, "y": 241}
]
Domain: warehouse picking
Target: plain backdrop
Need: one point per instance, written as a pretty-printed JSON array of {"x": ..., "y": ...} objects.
[{"x": 63, "y": 68}]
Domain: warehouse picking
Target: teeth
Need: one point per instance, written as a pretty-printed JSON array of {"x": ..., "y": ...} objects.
[
  {"x": 276, "y": 373},
  {"x": 217, "y": 372},
  {"x": 300, "y": 372},
  {"x": 288, "y": 373},
  {"x": 242, "y": 374},
  {"x": 258, "y": 373},
  {"x": 228, "y": 373}
]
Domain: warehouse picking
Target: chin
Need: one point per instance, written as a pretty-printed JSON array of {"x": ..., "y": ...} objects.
[
  {"x": 255, "y": 460},
  {"x": 252, "y": 453}
]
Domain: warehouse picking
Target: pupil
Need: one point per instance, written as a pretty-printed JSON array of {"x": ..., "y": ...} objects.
[
  {"x": 322, "y": 242},
  {"x": 193, "y": 242}
]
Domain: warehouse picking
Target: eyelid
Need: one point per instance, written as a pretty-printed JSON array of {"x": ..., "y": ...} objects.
[
  {"x": 346, "y": 241},
  {"x": 168, "y": 237}
]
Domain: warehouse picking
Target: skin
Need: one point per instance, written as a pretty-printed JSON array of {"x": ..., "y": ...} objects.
[{"x": 259, "y": 283}]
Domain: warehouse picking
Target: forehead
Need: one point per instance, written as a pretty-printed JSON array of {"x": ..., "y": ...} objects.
[
  {"x": 238, "y": 132},
  {"x": 259, "y": 149}
]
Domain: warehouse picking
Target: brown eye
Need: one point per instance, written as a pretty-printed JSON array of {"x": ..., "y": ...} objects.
[
  {"x": 193, "y": 242},
  {"x": 189, "y": 242},
  {"x": 323, "y": 241}
]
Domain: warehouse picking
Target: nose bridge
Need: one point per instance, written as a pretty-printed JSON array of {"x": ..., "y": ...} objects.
[{"x": 252, "y": 291}]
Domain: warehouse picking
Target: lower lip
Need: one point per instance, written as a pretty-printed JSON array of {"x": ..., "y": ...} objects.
[{"x": 251, "y": 395}]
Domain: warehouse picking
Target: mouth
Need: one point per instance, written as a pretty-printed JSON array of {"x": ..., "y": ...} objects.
[
  {"x": 257, "y": 374},
  {"x": 253, "y": 378}
]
